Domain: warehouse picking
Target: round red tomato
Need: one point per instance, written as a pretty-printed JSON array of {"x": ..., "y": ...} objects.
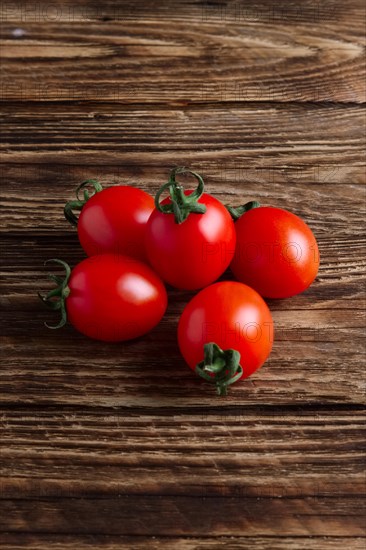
[
  {"x": 110, "y": 298},
  {"x": 225, "y": 333},
  {"x": 112, "y": 220},
  {"x": 276, "y": 252},
  {"x": 190, "y": 237}
]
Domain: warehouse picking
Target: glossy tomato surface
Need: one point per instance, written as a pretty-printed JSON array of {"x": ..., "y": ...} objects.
[
  {"x": 114, "y": 220},
  {"x": 192, "y": 254},
  {"x": 233, "y": 316},
  {"x": 114, "y": 298},
  {"x": 276, "y": 252}
]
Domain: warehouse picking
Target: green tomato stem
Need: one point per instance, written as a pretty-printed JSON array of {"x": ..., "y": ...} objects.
[
  {"x": 181, "y": 205},
  {"x": 220, "y": 367},
  {"x": 56, "y": 298},
  {"x": 237, "y": 213},
  {"x": 79, "y": 203}
]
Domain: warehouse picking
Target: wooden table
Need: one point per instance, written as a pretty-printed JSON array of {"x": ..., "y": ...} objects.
[{"x": 121, "y": 446}]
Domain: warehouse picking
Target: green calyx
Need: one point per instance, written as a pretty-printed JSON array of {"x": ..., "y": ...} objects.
[
  {"x": 236, "y": 213},
  {"x": 220, "y": 367},
  {"x": 80, "y": 201},
  {"x": 56, "y": 298},
  {"x": 181, "y": 205}
]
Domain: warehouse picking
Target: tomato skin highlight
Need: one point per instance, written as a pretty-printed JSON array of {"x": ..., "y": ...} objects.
[
  {"x": 195, "y": 253},
  {"x": 276, "y": 252},
  {"x": 114, "y": 298},
  {"x": 233, "y": 316},
  {"x": 114, "y": 220}
]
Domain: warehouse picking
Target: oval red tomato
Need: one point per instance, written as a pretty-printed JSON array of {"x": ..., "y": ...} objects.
[
  {"x": 111, "y": 298},
  {"x": 114, "y": 220},
  {"x": 193, "y": 253},
  {"x": 276, "y": 252},
  {"x": 232, "y": 316}
]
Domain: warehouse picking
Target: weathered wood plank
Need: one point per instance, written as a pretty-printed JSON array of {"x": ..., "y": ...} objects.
[
  {"x": 261, "y": 136},
  {"x": 106, "y": 542},
  {"x": 228, "y": 175},
  {"x": 331, "y": 11},
  {"x": 67, "y": 542},
  {"x": 70, "y": 542},
  {"x": 249, "y": 453},
  {"x": 338, "y": 284},
  {"x": 322, "y": 346},
  {"x": 187, "y": 516},
  {"x": 184, "y": 52},
  {"x": 308, "y": 365},
  {"x": 127, "y": 376},
  {"x": 318, "y": 338},
  {"x": 321, "y": 204}
]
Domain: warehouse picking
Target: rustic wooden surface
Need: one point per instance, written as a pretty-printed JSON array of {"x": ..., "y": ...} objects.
[{"x": 121, "y": 446}]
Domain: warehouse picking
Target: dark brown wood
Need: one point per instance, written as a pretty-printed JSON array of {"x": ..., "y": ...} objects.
[
  {"x": 178, "y": 516},
  {"x": 318, "y": 333},
  {"x": 62, "y": 542},
  {"x": 273, "y": 136},
  {"x": 40, "y": 212},
  {"x": 249, "y": 453},
  {"x": 122, "y": 446},
  {"x": 185, "y": 52}
]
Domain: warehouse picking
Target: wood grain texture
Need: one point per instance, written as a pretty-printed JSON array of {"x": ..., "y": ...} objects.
[
  {"x": 311, "y": 336},
  {"x": 262, "y": 136},
  {"x": 178, "y": 515},
  {"x": 107, "y": 542},
  {"x": 293, "y": 453},
  {"x": 39, "y": 213},
  {"x": 122, "y": 446},
  {"x": 184, "y": 52}
]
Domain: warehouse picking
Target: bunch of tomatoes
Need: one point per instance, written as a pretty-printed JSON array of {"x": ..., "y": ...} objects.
[{"x": 188, "y": 239}]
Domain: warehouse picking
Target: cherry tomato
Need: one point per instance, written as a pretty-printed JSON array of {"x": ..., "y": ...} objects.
[
  {"x": 190, "y": 236},
  {"x": 225, "y": 333},
  {"x": 112, "y": 220},
  {"x": 109, "y": 297},
  {"x": 276, "y": 252}
]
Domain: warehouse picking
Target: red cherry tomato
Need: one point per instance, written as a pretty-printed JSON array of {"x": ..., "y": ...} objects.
[
  {"x": 233, "y": 317},
  {"x": 193, "y": 252},
  {"x": 113, "y": 220},
  {"x": 111, "y": 298},
  {"x": 276, "y": 252}
]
